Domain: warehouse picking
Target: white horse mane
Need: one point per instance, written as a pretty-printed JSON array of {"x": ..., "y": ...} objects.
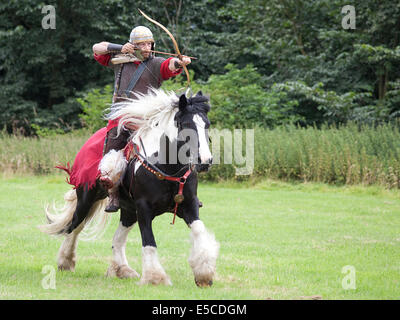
[{"x": 154, "y": 110}]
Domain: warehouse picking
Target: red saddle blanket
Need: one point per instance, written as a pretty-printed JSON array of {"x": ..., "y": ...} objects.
[{"x": 85, "y": 169}]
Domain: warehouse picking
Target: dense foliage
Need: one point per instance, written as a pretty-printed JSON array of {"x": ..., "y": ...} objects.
[{"x": 264, "y": 62}]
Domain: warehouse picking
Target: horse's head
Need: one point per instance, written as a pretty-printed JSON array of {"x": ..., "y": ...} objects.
[{"x": 193, "y": 124}]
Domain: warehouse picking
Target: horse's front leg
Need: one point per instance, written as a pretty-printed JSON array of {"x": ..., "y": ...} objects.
[
  {"x": 152, "y": 271},
  {"x": 204, "y": 251},
  {"x": 119, "y": 265}
]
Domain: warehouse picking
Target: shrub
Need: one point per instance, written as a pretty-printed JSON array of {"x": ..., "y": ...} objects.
[
  {"x": 94, "y": 104},
  {"x": 239, "y": 100}
]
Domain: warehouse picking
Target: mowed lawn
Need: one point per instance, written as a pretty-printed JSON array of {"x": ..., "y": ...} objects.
[{"x": 278, "y": 241}]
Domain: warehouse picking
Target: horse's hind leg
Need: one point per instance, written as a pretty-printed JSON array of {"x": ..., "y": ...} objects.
[
  {"x": 119, "y": 265},
  {"x": 67, "y": 254},
  {"x": 152, "y": 271}
]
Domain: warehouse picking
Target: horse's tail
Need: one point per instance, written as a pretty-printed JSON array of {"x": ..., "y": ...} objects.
[
  {"x": 60, "y": 219},
  {"x": 96, "y": 221}
]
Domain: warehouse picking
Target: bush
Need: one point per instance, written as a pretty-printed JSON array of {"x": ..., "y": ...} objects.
[
  {"x": 94, "y": 104},
  {"x": 238, "y": 100}
]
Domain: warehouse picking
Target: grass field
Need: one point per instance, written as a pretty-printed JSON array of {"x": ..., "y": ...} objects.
[{"x": 278, "y": 241}]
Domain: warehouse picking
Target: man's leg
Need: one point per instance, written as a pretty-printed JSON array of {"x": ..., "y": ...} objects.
[{"x": 113, "y": 162}]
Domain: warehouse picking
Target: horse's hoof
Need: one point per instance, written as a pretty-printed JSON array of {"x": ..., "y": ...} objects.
[
  {"x": 122, "y": 272},
  {"x": 203, "y": 283},
  {"x": 156, "y": 280},
  {"x": 125, "y": 272},
  {"x": 69, "y": 266}
]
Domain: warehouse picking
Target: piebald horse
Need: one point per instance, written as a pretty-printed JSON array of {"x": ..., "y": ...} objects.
[{"x": 171, "y": 147}]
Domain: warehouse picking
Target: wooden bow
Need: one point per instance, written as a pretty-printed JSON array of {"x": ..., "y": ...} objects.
[{"x": 178, "y": 52}]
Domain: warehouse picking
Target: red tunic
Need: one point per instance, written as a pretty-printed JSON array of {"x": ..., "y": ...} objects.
[{"x": 86, "y": 163}]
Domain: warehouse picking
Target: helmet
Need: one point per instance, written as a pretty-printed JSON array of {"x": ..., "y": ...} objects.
[{"x": 141, "y": 34}]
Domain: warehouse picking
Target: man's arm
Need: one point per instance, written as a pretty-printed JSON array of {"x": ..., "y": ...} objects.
[
  {"x": 104, "y": 47},
  {"x": 100, "y": 48},
  {"x": 172, "y": 67}
]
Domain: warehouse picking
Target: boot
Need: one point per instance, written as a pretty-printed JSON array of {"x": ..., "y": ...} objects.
[
  {"x": 113, "y": 198},
  {"x": 113, "y": 201}
]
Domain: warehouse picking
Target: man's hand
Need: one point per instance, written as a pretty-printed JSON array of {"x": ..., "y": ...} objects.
[
  {"x": 185, "y": 61},
  {"x": 128, "y": 48},
  {"x": 176, "y": 63}
]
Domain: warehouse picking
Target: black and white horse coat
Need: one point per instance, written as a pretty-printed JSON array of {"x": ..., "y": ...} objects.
[{"x": 157, "y": 116}]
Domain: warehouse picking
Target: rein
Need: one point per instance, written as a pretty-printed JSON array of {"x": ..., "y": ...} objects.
[{"x": 132, "y": 152}]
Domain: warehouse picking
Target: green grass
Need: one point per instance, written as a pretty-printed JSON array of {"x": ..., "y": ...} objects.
[{"x": 278, "y": 240}]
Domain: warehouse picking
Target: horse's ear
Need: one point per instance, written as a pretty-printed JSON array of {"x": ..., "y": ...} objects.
[
  {"x": 199, "y": 93},
  {"x": 182, "y": 102}
]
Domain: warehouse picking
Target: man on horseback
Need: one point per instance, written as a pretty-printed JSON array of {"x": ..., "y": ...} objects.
[{"x": 136, "y": 69}]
